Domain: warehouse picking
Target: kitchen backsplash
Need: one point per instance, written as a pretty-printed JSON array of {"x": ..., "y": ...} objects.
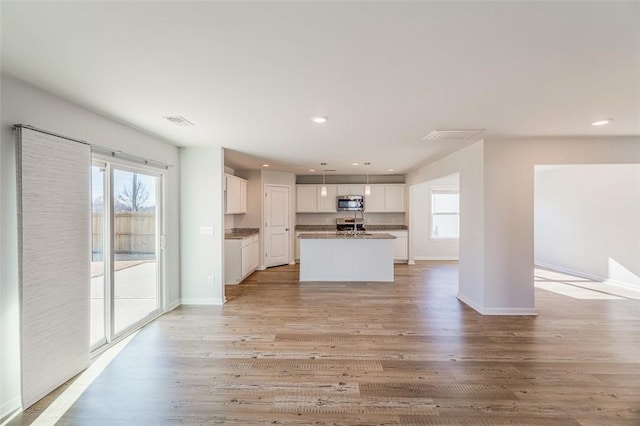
[{"x": 330, "y": 218}]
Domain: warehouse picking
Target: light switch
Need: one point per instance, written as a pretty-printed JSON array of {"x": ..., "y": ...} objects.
[{"x": 206, "y": 230}]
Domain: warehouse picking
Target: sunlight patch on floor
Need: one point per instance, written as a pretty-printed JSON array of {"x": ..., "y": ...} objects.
[
  {"x": 572, "y": 291},
  {"x": 581, "y": 288},
  {"x": 56, "y": 410}
]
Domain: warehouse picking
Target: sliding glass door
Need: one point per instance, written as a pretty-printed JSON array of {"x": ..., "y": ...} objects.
[
  {"x": 135, "y": 245},
  {"x": 126, "y": 260}
]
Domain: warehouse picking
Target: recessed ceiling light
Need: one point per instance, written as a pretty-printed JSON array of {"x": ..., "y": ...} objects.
[
  {"x": 355, "y": 164},
  {"x": 312, "y": 170},
  {"x": 319, "y": 119},
  {"x": 389, "y": 170},
  {"x": 602, "y": 122},
  {"x": 265, "y": 165}
]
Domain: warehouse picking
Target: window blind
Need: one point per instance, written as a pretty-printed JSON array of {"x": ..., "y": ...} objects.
[{"x": 53, "y": 176}]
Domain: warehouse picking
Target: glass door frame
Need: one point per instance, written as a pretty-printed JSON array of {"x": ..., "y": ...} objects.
[{"x": 109, "y": 164}]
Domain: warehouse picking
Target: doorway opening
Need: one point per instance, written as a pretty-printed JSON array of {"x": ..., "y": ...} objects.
[
  {"x": 435, "y": 219},
  {"x": 587, "y": 228}
]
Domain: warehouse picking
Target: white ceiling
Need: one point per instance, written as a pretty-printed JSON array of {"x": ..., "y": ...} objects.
[{"x": 251, "y": 75}]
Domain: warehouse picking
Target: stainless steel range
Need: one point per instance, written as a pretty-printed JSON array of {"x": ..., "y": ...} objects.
[{"x": 349, "y": 224}]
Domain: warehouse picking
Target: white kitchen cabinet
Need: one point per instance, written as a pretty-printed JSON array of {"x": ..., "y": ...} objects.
[
  {"x": 400, "y": 244},
  {"x": 306, "y": 199},
  {"x": 247, "y": 257},
  {"x": 350, "y": 190},
  {"x": 297, "y": 243},
  {"x": 374, "y": 202},
  {"x": 385, "y": 198},
  {"x": 326, "y": 204},
  {"x": 241, "y": 258},
  {"x": 394, "y": 198},
  {"x": 235, "y": 195},
  {"x": 310, "y": 200}
]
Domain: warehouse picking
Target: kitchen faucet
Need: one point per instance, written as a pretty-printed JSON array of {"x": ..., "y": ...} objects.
[{"x": 355, "y": 222}]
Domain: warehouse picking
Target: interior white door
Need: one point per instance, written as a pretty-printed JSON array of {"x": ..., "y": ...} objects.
[{"x": 276, "y": 232}]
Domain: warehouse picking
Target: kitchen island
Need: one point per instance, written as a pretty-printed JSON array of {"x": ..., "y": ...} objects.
[{"x": 346, "y": 257}]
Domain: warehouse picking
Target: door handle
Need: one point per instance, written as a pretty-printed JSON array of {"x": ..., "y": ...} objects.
[{"x": 286, "y": 229}]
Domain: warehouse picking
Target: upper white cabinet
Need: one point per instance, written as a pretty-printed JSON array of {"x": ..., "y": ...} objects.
[
  {"x": 235, "y": 195},
  {"x": 310, "y": 199},
  {"x": 394, "y": 198},
  {"x": 375, "y": 201},
  {"x": 387, "y": 198},
  {"x": 327, "y": 204},
  {"x": 384, "y": 198},
  {"x": 350, "y": 190},
  {"x": 307, "y": 200}
]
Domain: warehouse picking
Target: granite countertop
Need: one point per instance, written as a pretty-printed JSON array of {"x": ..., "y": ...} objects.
[
  {"x": 346, "y": 236},
  {"x": 239, "y": 233},
  {"x": 386, "y": 227},
  {"x": 308, "y": 228},
  {"x": 311, "y": 228}
]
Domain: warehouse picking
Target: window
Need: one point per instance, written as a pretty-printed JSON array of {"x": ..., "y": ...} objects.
[{"x": 445, "y": 212}]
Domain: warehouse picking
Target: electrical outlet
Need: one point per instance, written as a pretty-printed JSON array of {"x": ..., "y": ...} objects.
[{"x": 211, "y": 280}]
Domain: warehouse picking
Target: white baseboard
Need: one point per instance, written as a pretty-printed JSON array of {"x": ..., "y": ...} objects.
[
  {"x": 469, "y": 302},
  {"x": 435, "y": 258},
  {"x": 261, "y": 268},
  {"x": 292, "y": 263},
  {"x": 510, "y": 311},
  {"x": 496, "y": 311},
  {"x": 569, "y": 271},
  {"x": 10, "y": 406},
  {"x": 623, "y": 285},
  {"x": 411, "y": 262},
  {"x": 217, "y": 301},
  {"x": 171, "y": 306}
]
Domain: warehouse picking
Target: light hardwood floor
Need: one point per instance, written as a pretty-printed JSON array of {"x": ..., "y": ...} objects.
[{"x": 403, "y": 353}]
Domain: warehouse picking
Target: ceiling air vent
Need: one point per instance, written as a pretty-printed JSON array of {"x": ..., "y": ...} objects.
[
  {"x": 180, "y": 121},
  {"x": 438, "y": 135}
]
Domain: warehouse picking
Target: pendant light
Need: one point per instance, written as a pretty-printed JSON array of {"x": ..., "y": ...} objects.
[
  {"x": 323, "y": 188},
  {"x": 367, "y": 187}
]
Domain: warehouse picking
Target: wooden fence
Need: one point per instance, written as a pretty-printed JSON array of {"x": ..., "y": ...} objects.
[{"x": 135, "y": 232}]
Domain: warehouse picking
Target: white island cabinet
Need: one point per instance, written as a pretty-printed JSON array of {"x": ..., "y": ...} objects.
[{"x": 339, "y": 257}]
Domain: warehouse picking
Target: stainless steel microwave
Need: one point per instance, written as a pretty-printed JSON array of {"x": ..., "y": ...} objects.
[{"x": 349, "y": 203}]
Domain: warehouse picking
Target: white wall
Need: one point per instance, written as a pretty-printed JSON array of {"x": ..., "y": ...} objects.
[
  {"x": 424, "y": 247},
  {"x": 9, "y": 308},
  {"x": 25, "y": 104},
  {"x": 469, "y": 163},
  {"x": 201, "y": 205},
  {"x": 587, "y": 221}
]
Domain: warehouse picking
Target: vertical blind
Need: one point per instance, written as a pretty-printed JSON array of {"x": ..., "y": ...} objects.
[{"x": 53, "y": 175}]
